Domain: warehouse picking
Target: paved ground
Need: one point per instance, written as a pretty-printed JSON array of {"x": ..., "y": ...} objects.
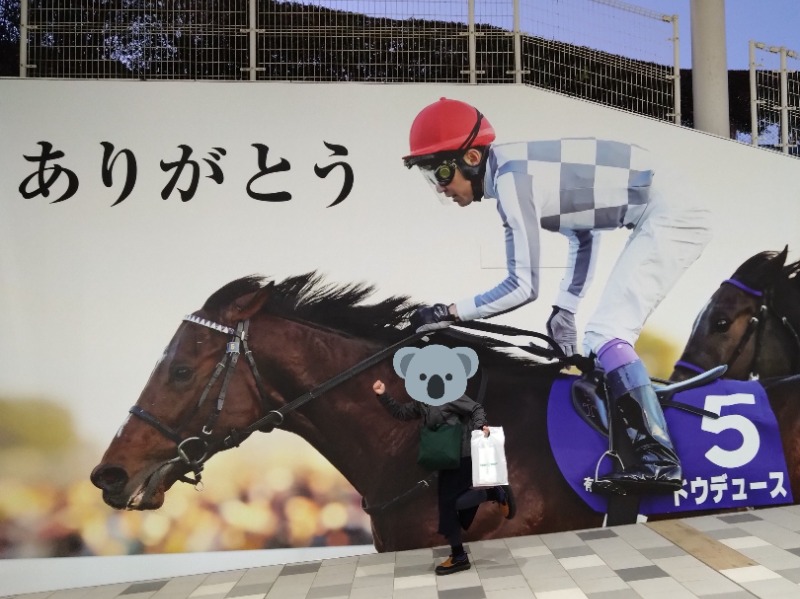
[{"x": 747, "y": 554}]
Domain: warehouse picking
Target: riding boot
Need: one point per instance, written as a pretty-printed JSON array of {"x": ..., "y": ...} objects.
[{"x": 657, "y": 468}]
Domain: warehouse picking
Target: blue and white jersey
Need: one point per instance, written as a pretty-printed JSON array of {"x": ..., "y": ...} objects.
[{"x": 575, "y": 186}]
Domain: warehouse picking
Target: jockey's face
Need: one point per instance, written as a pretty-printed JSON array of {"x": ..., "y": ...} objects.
[{"x": 459, "y": 190}]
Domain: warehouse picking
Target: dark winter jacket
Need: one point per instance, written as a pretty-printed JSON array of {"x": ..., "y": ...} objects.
[{"x": 464, "y": 410}]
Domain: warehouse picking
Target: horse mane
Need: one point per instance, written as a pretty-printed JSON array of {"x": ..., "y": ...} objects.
[
  {"x": 343, "y": 307},
  {"x": 790, "y": 271},
  {"x": 786, "y": 293}
]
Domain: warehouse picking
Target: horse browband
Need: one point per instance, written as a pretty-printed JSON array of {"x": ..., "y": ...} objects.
[{"x": 755, "y": 321}]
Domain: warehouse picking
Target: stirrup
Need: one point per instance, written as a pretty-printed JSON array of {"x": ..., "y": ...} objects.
[{"x": 604, "y": 487}]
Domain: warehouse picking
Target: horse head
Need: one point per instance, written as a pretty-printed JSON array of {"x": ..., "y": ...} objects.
[
  {"x": 179, "y": 422},
  {"x": 750, "y": 323},
  {"x": 231, "y": 369}
]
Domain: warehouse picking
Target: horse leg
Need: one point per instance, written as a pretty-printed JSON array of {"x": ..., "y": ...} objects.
[{"x": 784, "y": 397}]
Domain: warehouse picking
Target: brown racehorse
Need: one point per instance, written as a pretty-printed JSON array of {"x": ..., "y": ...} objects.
[
  {"x": 293, "y": 336},
  {"x": 751, "y": 323}
]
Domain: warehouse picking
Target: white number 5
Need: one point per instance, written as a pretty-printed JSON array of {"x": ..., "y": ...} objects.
[{"x": 750, "y": 439}]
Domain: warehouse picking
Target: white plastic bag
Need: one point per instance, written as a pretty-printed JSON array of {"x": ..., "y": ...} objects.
[{"x": 489, "y": 467}]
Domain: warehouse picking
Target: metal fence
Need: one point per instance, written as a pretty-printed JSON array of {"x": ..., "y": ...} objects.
[
  {"x": 601, "y": 50},
  {"x": 774, "y": 97}
]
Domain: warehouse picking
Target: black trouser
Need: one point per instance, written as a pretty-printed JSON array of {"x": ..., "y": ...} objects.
[
  {"x": 458, "y": 501},
  {"x": 466, "y": 502}
]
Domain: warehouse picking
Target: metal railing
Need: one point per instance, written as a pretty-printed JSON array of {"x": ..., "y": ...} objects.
[
  {"x": 774, "y": 98},
  {"x": 606, "y": 51}
]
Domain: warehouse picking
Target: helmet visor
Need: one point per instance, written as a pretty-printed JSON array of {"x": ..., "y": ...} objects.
[
  {"x": 438, "y": 171},
  {"x": 437, "y": 189}
]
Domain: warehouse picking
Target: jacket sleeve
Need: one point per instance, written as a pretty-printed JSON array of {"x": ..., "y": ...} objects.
[
  {"x": 521, "y": 225},
  {"x": 469, "y": 408},
  {"x": 404, "y": 411}
]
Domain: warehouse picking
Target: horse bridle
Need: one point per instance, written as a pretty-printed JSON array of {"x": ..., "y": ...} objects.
[
  {"x": 194, "y": 451},
  {"x": 756, "y": 325}
]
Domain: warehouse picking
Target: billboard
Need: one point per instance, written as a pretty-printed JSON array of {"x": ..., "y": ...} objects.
[{"x": 125, "y": 205}]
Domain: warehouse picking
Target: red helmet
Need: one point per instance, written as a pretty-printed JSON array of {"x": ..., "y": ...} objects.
[{"x": 447, "y": 125}]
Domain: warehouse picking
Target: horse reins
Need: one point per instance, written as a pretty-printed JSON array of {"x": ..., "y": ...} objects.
[
  {"x": 194, "y": 451},
  {"x": 756, "y": 325}
]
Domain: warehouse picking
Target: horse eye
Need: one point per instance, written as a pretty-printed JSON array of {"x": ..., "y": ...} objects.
[
  {"x": 722, "y": 325},
  {"x": 449, "y": 377},
  {"x": 423, "y": 376},
  {"x": 181, "y": 374}
]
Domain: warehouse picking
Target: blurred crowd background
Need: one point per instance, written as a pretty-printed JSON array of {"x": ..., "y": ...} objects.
[{"x": 274, "y": 491}]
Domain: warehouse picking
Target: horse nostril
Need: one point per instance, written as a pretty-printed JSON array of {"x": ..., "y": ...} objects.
[
  {"x": 435, "y": 387},
  {"x": 109, "y": 478}
]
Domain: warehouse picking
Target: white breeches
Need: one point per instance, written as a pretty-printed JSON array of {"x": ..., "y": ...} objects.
[{"x": 668, "y": 238}]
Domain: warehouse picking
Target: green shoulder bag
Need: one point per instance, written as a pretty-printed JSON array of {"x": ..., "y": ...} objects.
[{"x": 440, "y": 448}]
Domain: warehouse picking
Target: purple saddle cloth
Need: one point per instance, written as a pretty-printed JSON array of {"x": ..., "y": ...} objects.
[{"x": 733, "y": 461}]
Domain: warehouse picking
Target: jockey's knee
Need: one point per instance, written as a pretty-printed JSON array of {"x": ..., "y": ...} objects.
[{"x": 594, "y": 341}]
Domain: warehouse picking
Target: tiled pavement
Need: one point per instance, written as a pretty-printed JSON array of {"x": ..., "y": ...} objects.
[{"x": 746, "y": 554}]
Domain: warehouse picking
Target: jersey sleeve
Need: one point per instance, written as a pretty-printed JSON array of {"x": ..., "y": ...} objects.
[
  {"x": 581, "y": 261},
  {"x": 522, "y": 233}
]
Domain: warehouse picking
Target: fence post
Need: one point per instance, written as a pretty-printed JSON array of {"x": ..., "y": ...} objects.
[
  {"x": 252, "y": 32},
  {"x": 252, "y": 6},
  {"x": 472, "y": 44},
  {"x": 676, "y": 69},
  {"x": 23, "y": 38},
  {"x": 517, "y": 45},
  {"x": 753, "y": 93},
  {"x": 784, "y": 102}
]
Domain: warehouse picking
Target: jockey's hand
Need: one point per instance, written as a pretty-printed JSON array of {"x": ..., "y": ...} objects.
[
  {"x": 561, "y": 327},
  {"x": 431, "y": 315},
  {"x": 485, "y": 430},
  {"x": 378, "y": 387}
]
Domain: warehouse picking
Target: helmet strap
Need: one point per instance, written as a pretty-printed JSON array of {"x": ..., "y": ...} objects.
[{"x": 474, "y": 173}]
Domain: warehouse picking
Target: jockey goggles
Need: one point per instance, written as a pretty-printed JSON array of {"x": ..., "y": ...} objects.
[{"x": 441, "y": 175}]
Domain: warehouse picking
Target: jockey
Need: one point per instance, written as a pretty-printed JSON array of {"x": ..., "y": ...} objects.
[{"x": 576, "y": 187}]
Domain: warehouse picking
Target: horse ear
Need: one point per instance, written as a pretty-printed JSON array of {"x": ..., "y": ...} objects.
[
  {"x": 772, "y": 270},
  {"x": 246, "y": 306}
]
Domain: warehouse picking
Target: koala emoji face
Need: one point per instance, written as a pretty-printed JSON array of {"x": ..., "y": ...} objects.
[{"x": 436, "y": 374}]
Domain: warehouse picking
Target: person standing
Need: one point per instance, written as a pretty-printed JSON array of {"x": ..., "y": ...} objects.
[{"x": 458, "y": 502}]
